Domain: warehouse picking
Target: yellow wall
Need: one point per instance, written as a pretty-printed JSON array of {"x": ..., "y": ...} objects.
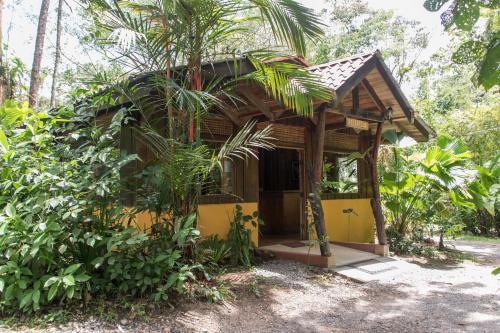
[
  {"x": 214, "y": 219},
  {"x": 360, "y": 228}
]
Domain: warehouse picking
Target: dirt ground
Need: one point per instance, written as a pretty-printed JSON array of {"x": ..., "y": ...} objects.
[{"x": 421, "y": 296}]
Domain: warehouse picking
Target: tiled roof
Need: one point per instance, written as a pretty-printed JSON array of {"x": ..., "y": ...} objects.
[{"x": 335, "y": 73}]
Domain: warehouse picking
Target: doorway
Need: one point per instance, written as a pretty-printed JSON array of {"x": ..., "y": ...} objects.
[{"x": 280, "y": 193}]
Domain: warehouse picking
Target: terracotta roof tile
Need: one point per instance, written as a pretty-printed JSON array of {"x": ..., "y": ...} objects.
[{"x": 335, "y": 73}]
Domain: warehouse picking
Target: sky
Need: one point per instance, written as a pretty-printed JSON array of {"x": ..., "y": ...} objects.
[{"x": 20, "y": 18}]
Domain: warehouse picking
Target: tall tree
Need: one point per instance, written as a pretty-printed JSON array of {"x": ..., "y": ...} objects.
[
  {"x": 38, "y": 54},
  {"x": 482, "y": 45},
  {"x": 355, "y": 27},
  {"x": 58, "y": 53},
  {"x": 3, "y": 76}
]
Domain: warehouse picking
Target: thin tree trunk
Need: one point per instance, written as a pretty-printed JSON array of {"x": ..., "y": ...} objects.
[
  {"x": 376, "y": 201},
  {"x": 441, "y": 239},
  {"x": 58, "y": 53},
  {"x": 315, "y": 177},
  {"x": 38, "y": 54},
  {"x": 3, "y": 77}
]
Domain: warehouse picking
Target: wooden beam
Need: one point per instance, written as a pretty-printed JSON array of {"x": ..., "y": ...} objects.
[
  {"x": 230, "y": 113},
  {"x": 396, "y": 90},
  {"x": 336, "y": 126},
  {"x": 355, "y": 99},
  {"x": 360, "y": 114},
  {"x": 373, "y": 95},
  {"x": 258, "y": 103}
]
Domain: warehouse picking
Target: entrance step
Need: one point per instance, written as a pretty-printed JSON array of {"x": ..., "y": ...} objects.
[{"x": 371, "y": 270}]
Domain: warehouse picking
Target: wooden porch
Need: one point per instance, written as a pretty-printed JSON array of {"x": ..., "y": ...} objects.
[{"x": 308, "y": 252}]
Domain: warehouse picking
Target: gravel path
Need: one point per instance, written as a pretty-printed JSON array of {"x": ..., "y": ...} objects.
[{"x": 288, "y": 297}]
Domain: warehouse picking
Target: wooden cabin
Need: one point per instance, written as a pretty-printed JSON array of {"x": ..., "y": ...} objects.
[{"x": 365, "y": 95}]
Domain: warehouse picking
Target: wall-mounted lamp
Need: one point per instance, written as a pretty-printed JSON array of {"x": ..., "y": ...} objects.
[{"x": 388, "y": 113}]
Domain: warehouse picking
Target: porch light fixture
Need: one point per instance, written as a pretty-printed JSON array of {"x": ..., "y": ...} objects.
[{"x": 388, "y": 113}]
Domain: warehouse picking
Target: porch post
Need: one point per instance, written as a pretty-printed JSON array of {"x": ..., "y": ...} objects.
[
  {"x": 315, "y": 170},
  {"x": 376, "y": 201}
]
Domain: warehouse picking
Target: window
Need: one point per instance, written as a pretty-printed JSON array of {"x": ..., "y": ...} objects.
[{"x": 340, "y": 173}]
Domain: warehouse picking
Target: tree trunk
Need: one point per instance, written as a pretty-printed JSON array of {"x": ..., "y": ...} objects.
[
  {"x": 3, "y": 76},
  {"x": 315, "y": 177},
  {"x": 376, "y": 201},
  {"x": 441, "y": 239},
  {"x": 38, "y": 54},
  {"x": 58, "y": 54}
]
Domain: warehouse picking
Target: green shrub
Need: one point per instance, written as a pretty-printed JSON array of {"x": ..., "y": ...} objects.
[
  {"x": 400, "y": 244},
  {"x": 239, "y": 237},
  {"x": 64, "y": 234}
]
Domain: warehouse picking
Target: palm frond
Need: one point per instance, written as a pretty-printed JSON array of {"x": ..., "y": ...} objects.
[
  {"x": 246, "y": 143},
  {"x": 291, "y": 84},
  {"x": 291, "y": 22}
]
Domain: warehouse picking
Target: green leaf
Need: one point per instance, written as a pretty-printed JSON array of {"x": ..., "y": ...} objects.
[
  {"x": 36, "y": 297},
  {"x": 70, "y": 292},
  {"x": 171, "y": 280},
  {"x": 10, "y": 210},
  {"x": 69, "y": 280},
  {"x": 489, "y": 74},
  {"x": 26, "y": 300},
  {"x": 469, "y": 52},
  {"x": 466, "y": 14},
  {"x": 71, "y": 269},
  {"x": 51, "y": 281},
  {"x": 4, "y": 144},
  {"x": 53, "y": 291},
  {"x": 22, "y": 284},
  {"x": 496, "y": 271},
  {"x": 82, "y": 278},
  {"x": 434, "y": 5}
]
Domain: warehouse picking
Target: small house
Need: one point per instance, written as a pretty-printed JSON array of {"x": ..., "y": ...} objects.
[{"x": 367, "y": 100}]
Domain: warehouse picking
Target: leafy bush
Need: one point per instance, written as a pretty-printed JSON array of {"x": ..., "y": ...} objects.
[
  {"x": 240, "y": 237},
  {"x": 64, "y": 234},
  {"x": 400, "y": 244}
]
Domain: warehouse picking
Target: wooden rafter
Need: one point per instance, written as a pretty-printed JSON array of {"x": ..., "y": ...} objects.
[
  {"x": 360, "y": 114},
  {"x": 336, "y": 126},
  {"x": 373, "y": 95},
  {"x": 231, "y": 113},
  {"x": 355, "y": 99},
  {"x": 258, "y": 103}
]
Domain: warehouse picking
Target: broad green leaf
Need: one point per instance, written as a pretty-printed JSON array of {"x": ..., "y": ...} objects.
[
  {"x": 469, "y": 52},
  {"x": 4, "y": 143},
  {"x": 71, "y": 269},
  {"x": 496, "y": 271},
  {"x": 82, "y": 278},
  {"x": 51, "y": 281},
  {"x": 70, "y": 292},
  {"x": 36, "y": 297},
  {"x": 69, "y": 280},
  {"x": 434, "y": 5},
  {"x": 489, "y": 74},
  {"x": 466, "y": 14},
  {"x": 26, "y": 300},
  {"x": 10, "y": 210},
  {"x": 53, "y": 292}
]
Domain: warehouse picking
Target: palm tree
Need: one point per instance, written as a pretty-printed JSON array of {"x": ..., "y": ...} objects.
[{"x": 38, "y": 54}]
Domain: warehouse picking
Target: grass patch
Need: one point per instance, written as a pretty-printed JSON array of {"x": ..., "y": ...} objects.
[{"x": 493, "y": 240}]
